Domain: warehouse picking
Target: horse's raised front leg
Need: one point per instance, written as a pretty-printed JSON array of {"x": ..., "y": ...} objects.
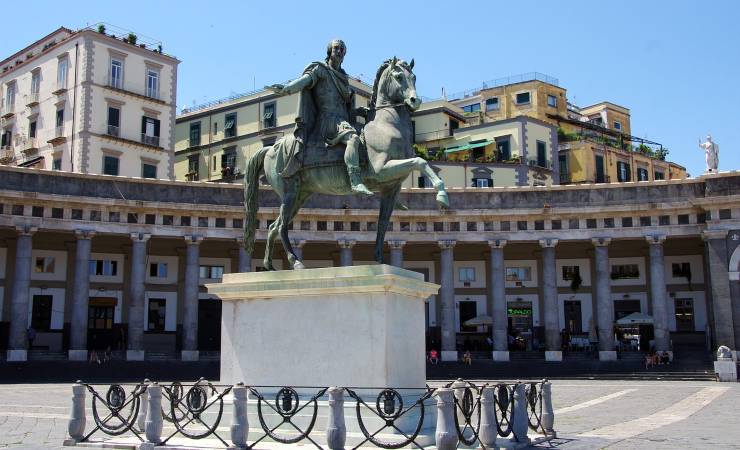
[
  {"x": 442, "y": 198},
  {"x": 387, "y": 202},
  {"x": 399, "y": 169}
]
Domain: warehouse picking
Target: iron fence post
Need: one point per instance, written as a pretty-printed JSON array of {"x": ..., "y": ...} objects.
[
  {"x": 520, "y": 419},
  {"x": 240, "y": 425},
  {"x": 336, "y": 431},
  {"x": 446, "y": 433},
  {"x": 488, "y": 431},
  {"x": 143, "y": 406},
  {"x": 76, "y": 426},
  {"x": 548, "y": 415},
  {"x": 154, "y": 421}
]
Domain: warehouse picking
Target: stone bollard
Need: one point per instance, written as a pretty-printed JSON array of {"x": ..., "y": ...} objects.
[
  {"x": 520, "y": 422},
  {"x": 76, "y": 425},
  {"x": 240, "y": 424},
  {"x": 548, "y": 415},
  {"x": 336, "y": 431},
  {"x": 153, "y": 426},
  {"x": 446, "y": 433},
  {"x": 143, "y": 406},
  {"x": 488, "y": 431}
]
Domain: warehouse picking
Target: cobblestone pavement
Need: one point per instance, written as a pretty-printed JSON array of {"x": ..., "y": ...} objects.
[{"x": 588, "y": 415}]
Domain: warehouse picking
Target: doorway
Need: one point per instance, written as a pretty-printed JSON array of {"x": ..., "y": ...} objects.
[
  {"x": 100, "y": 313},
  {"x": 684, "y": 314},
  {"x": 209, "y": 325},
  {"x": 573, "y": 323}
]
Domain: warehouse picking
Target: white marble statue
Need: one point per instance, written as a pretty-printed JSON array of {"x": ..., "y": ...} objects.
[{"x": 711, "y": 149}]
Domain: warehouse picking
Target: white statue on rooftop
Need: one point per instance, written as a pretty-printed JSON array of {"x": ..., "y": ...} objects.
[{"x": 711, "y": 149}]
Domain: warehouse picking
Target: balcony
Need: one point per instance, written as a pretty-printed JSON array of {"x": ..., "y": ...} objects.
[
  {"x": 61, "y": 89},
  {"x": 539, "y": 165},
  {"x": 150, "y": 140},
  {"x": 30, "y": 146},
  {"x": 192, "y": 175},
  {"x": 33, "y": 99},
  {"x": 114, "y": 131},
  {"x": 59, "y": 137},
  {"x": 7, "y": 155},
  {"x": 8, "y": 111}
]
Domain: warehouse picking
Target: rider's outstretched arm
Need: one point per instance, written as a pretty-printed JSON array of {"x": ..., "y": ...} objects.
[{"x": 298, "y": 84}]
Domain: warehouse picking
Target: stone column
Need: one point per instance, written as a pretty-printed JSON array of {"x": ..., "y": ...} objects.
[
  {"x": 553, "y": 348},
  {"x": 498, "y": 300},
  {"x": 658, "y": 293},
  {"x": 19, "y": 297},
  {"x": 724, "y": 331},
  {"x": 80, "y": 296},
  {"x": 135, "y": 349},
  {"x": 396, "y": 252},
  {"x": 604, "y": 304},
  {"x": 298, "y": 244},
  {"x": 345, "y": 252},
  {"x": 447, "y": 301},
  {"x": 190, "y": 300},
  {"x": 244, "y": 259}
]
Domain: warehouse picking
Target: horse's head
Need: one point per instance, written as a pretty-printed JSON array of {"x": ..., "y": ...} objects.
[{"x": 395, "y": 83}]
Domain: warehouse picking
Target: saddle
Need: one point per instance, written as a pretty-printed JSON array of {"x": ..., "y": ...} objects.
[{"x": 314, "y": 154}]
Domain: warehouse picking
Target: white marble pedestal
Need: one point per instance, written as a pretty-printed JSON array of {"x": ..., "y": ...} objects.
[
  {"x": 726, "y": 370},
  {"x": 359, "y": 326}
]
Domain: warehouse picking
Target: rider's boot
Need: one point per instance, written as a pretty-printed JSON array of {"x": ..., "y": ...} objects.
[{"x": 356, "y": 181}]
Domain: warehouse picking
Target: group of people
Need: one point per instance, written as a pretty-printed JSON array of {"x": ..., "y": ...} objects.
[
  {"x": 433, "y": 357},
  {"x": 657, "y": 358},
  {"x": 95, "y": 357}
]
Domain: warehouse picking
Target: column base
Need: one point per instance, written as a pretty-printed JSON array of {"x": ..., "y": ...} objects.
[
  {"x": 554, "y": 355},
  {"x": 449, "y": 355},
  {"x": 77, "y": 355},
  {"x": 605, "y": 355},
  {"x": 500, "y": 355},
  {"x": 17, "y": 355},
  {"x": 134, "y": 355},
  {"x": 190, "y": 355}
]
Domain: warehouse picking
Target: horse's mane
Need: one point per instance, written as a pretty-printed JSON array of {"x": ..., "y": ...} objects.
[{"x": 379, "y": 73}]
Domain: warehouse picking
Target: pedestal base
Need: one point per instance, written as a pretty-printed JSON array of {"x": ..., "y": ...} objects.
[
  {"x": 190, "y": 355},
  {"x": 554, "y": 355},
  {"x": 134, "y": 355},
  {"x": 607, "y": 355},
  {"x": 449, "y": 355},
  {"x": 337, "y": 326},
  {"x": 77, "y": 355},
  {"x": 726, "y": 370},
  {"x": 17, "y": 355},
  {"x": 500, "y": 355}
]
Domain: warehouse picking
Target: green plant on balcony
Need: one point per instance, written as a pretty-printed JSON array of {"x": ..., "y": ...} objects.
[
  {"x": 421, "y": 151},
  {"x": 661, "y": 153},
  {"x": 132, "y": 38},
  {"x": 101, "y": 29}
]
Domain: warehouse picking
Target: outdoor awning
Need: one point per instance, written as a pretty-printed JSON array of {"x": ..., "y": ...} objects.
[
  {"x": 468, "y": 146},
  {"x": 635, "y": 319}
]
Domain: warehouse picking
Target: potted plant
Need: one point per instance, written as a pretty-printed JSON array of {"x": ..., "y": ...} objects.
[
  {"x": 101, "y": 29},
  {"x": 132, "y": 38}
]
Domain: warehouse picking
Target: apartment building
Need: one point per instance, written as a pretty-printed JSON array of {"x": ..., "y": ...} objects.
[{"x": 90, "y": 101}]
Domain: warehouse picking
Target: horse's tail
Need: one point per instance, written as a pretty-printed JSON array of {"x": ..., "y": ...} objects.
[{"x": 251, "y": 189}]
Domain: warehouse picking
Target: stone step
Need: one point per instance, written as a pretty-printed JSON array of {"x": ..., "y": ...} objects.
[{"x": 45, "y": 355}]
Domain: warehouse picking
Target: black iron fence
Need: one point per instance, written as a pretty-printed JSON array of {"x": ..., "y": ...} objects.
[{"x": 467, "y": 414}]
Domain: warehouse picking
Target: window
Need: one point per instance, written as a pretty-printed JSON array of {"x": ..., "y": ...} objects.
[
  {"x": 503, "y": 148},
  {"x": 148, "y": 170},
  {"x": 32, "y": 128},
  {"x": 195, "y": 134},
  {"x": 599, "y": 162},
  {"x": 116, "y": 73},
  {"x": 618, "y": 125},
  {"x": 552, "y": 101},
  {"x": 230, "y": 125},
  {"x": 571, "y": 272},
  {"x": 158, "y": 270},
  {"x": 681, "y": 270},
  {"x": 62, "y": 73},
  {"x": 482, "y": 182},
  {"x": 110, "y": 165},
  {"x": 212, "y": 272},
  {"x": 623, "y": 171},
  {"x": 44, "y": 264},
  {"x": 563, "y": 168},
  {"x": 193, "y": 165},
  {"x": 518, "y": 273},
  {"x": 114, "y": 121},
  {"x": 7, "y": 139},
  {"x": 157, "y": 311},
  {"x": 492, "y": 104},
  {"x": 10, "y": 97},
  {"x": 454, "y": 125},
  {"x": 642, "y": 174},
  {"x": 522, "y": 98},
  {"x": 152, "y": 83},
  {"x": 35, "y": 84},
  {"x": 622, "y": 271},
  {"x": 268, "y": 116},
  {"x": 541, "y": 154},
  {"x": 59, "y": 121},
  {"x": 475, "y": 107},
  {"x": 466, "y": 274},
  {"x": 103, "y": 267},
  {"x": 659, "y": 176},
  {"x": 150, "y": 131},
  {"x": 41, "y": 312},
  {"x": 228, "y": 160},
  {"x": 56, "y": 164}
]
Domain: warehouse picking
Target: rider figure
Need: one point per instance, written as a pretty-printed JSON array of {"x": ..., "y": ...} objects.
[{"x": 329, "y": 86}]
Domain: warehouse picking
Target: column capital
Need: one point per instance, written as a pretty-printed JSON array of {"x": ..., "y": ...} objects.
[
  {"x": 497, "y": 243},
  {"x": 446, "y": 244},
  {"x": 548, "y": 243},
  {"x": 140, "y": 237},
  {"x": 84, "y": 234},
  {"x": 656, "y": 239},
  {"x": 346, "y": 243},
  {"x": 396, "y": 244},
  {"x": 601, "y": 242},
  {"x": 299, "y": 243},
  {"x": 193, "y": 239},
  {"x": 713, "y": 234},
  {"x": 26, "y": 230}
]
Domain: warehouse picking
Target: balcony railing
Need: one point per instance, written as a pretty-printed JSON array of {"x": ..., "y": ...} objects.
[
  {"x": 8, "y": 110},
  {"x": 113, "y": 130},
  {"x": 59, "y": 131},
  {"x": 150, "y": 140},
  {"x": 152, "y": 93},
  {"x": 6, "y": 154},
  {"x": 540, "y": 164},
  {"x": 30, "y": 146},
  {"x": 33, "y": 99}
]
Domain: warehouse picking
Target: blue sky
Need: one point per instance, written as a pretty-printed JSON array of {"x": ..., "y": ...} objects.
[{"x": 675, "y": 64}]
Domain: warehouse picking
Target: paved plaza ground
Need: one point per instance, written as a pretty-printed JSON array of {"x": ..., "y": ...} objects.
[{"x": 588, "y": 415}]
